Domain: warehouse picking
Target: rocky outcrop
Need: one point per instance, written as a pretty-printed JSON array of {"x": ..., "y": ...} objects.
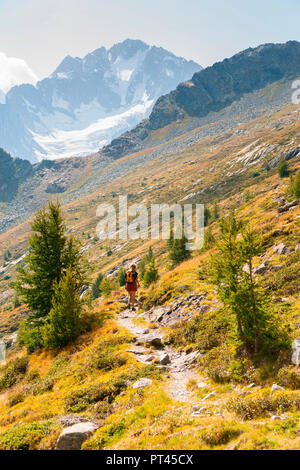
[
  {"x": 289, "y": 205},
  {"x": 181, "y": 309},
  {"x": 281, "y": 249},
  {"x": 13, "y": 171},
  {"x": 213, "y": 89},
  {"x": 142, "y": 383}
]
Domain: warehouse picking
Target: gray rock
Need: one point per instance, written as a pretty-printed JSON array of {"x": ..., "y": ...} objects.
[
  {"x": 154, "y": 341},
  {"x": 261, "y": 269},
  {"x": 211, "y": 394},
  {"x": 164, "y": 359},
  {"x": 74, "y": 436},
  {"x": 277, "y": 418},
  {"x": 202, "y": 385},
  {"x": 281, "y": 249},
  {"x": 276, "y": 388},
  {"x": 288, "y": 206},
  {"x": 276, "y": 267},
  {"x": 142, "y": 383},
  {"x": 296, "y": 352},
  {"x": 204, "y": 308}
]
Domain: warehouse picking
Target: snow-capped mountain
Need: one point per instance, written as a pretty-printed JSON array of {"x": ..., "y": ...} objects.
[{"x": 87, "y": 102}]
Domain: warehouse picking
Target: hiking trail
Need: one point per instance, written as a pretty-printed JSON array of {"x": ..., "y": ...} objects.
[{"x": 179, "y": 364}]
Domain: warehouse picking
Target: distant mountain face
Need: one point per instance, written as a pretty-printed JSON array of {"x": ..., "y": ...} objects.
[
  {"x": 13, "y": 171},
  {"x": 87, "y": 102},
  {"x": 213, "y": 89}
]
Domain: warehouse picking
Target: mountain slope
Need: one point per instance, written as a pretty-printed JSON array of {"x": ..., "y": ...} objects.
[
  {"x": 13, "y": 171},
  {"x": 87, "y": 102},
  {"x": 228, "y": 403},
  {"x": 214, "y": 89}
]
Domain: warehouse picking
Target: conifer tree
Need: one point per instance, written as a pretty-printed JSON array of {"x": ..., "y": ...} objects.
[
  {"x": 63, "y": 322},
  {"x": 51, "y": 254},
  {"x": 96, "y": 287},
  {"x": 295, "y": 185},
  {"x": 232, "y": 271},
  {"x": 151, "y": 274},
  {"x": 44, "y": 262},
  {"x": 282, "y": 168},
  {"x": 215, "y": 212},
  {"x": 122, "y": 277}
]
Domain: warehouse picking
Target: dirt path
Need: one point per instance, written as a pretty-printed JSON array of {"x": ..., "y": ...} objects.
[{"x": 179, "y": 364}]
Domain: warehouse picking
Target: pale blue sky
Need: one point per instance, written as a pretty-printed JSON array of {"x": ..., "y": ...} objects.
[{"x": 43, "y": 32}]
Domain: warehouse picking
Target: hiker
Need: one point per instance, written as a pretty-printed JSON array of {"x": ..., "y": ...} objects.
[{"x": 132, "y": 285}]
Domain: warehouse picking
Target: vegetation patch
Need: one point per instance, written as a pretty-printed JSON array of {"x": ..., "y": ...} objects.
[{"x": 263, "y": 404}]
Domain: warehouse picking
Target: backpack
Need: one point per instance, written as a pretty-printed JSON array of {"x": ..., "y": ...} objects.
[{"x": 131, "y": 277}]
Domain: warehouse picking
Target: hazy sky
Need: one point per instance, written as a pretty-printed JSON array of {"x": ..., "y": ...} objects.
[{"x": 43, "y": 32}]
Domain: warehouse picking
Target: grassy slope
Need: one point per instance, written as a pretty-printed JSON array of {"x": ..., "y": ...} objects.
[{"x": 30, "y": 409}]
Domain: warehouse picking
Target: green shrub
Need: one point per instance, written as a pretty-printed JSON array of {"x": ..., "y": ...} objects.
[
  {"x": 13, "y": 372},
  {"x": 96, "y": 292},
  {"x": 158, "y": 295},
  {"x": 30, "y": 335},
  {"x": 79, "y": 400},
  {"x": 287, "y": 377},
  {"x": 15, "y": 399},
  {"x": 24, "y": 436},
  {"x": 151, "y": 274},
  {"x": 40, "y": 386},
  {"x": 295, "y": 185},
  {"x": 59, "y": 366},
  {"x": 283, "y": 168},
  {"x": 254, "y": 407},
  {"x": 219, "y": 434},
  {"x": 108, "y": 360}
]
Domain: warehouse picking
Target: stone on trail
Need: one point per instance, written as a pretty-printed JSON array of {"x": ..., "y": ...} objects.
[
  {"x": 74, "y": 436},
  {"x": 142, "y": 383},
  {"x": 164, "y": 359},
  {"x": 154, "y": 341}
]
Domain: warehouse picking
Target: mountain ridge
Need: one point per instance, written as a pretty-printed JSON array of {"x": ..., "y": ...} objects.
[
  {"x": 212, "y": 89},
  {"x": 86, "y": 102}
]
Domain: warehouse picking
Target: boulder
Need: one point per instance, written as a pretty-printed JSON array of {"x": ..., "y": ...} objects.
[
  {"x": 261, "y": 269},
  {"x": 154, "y": 341},
  {"x": 164, "y": 359},
  {"x": 296, "y": 352},
  {"x": 142, "y": 383},
  {"x": 74, "y": 436}
]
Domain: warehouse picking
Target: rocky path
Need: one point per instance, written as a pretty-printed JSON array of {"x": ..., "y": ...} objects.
[{"x": 149, "y": 346}]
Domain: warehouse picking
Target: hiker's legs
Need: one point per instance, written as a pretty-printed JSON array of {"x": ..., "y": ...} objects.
[{"x": 133, "y": 299}]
